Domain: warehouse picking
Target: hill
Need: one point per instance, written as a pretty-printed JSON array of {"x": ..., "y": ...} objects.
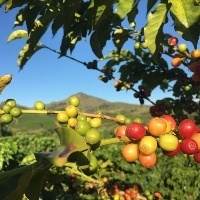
[{"x": 39, "y": 123}]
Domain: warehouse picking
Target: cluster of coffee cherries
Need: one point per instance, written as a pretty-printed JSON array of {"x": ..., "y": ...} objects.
[
  {"x": 182, "y": 54},
  {"x": 118, "y": 191},
  {"x": 9, "y": 111},
  {"x": 85, "y": 126},
  {"x": 160, "y": 132},
  {"x": 143, "y": 93}
]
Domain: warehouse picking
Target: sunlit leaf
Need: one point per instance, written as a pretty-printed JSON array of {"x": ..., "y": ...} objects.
[
  {"x": 185, "y": 12},
  {"x": 10, "y": 4},
  {"x": 4, "y": 81},
  {"x": 124, "y": 7},
  {"x": 153, "y": 30},
  {"x": 186, "y": 18},
  {"x": 17, "y": 34}
]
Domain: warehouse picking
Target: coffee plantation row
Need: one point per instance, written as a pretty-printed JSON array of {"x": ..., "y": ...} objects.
[
  {"x": 79, "y": 163},
  {"x": 175, "y": 177}
]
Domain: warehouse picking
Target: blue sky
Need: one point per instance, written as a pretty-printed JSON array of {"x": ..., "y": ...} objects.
[{"x": 47, "y": 78}]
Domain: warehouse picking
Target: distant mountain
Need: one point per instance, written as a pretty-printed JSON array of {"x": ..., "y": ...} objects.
[{"x": 91, "y": 104}]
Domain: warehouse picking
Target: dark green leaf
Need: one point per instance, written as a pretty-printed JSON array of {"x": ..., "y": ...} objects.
[
  {"x": 120, "y": 36},
  {"x": 150, "y": 5},
  {"x": 36, "y": 182},
  {"x": 20, "y": 17},
  {"x": 190, "y": 34},
  {"x": 96, "y": 45},
  {"x": 10, "y": 4},
  {"x": 70, "y": 8},
  {"x": 57, "y": 24},
  {"x": 123, "y": 8},
  {"x": 15, "y": 182},
  {"x": 2, "y": 2},
  {"x": 98, "y": 11},
  {"x": 26, "y": 53},
  {"x": 153, "y": 30},
  {"x": 31, "y": 14},
  {"x": 132, "y": 14}
]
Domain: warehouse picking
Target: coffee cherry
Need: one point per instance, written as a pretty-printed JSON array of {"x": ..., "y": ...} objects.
[
  {"x": 39, "y": 105},
  {"x": 74, "y": 100},
  {"x": 6, "y": 118},
  {"x": 72, "y": 122},
  {"x": 92, "y": 136},
  {"x": 62, "y": 117},
  {"x": 176, "y": 61},
  {"x": 173, "y": 41},
  {"x": 182, "y": 48},
  {"x": 6, "y": 108},
  {"x": 195, "y": 54},
  {"x": 71, "y": 111},
  {"x": 95, "y": 122},
  {"x": 15, "y": 112},
  {"x": 82, "y": 127},
  {"x": 137, "y": 45},
  {"x": 11, "y": 102}
]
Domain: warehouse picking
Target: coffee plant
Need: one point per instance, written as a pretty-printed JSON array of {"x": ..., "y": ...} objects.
[{"x": 75, "y": 156}]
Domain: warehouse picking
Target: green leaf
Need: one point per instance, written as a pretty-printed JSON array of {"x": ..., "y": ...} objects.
[
  {"x": 185, "y": 12},
  {"x": 17, "y": 34},
  {"x": 123, "y": 8},
  {"x": 153, "y": 30}
]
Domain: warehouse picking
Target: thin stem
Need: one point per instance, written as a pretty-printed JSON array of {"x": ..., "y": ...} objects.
[
  {"x": 41, "y": 111},
  {"x": 114, "y": 140},
  {"x": 96, "y": 68},
  {"x": 101, "y": 116}
]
